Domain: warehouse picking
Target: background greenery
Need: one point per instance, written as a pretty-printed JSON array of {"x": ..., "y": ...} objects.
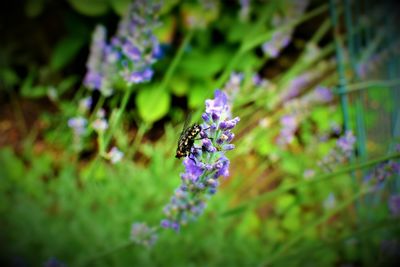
[{"x": 76, "y": 206}]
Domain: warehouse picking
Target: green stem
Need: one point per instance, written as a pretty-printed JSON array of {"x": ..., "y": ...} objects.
[
  {"x": 178, "y": 56},
  {"x": 114, "y": 123},
  {"x": 143, "y": 127},
  {"x": 368, "y": 84},
  {"x": 92, "y": 259}
]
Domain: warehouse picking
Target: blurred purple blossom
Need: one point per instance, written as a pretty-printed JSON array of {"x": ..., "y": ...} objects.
[
  {"x": 130, "y": 53},
  {"x": 383, "y": 171},
  {"x": 289, "y": 125},
  {"x": 394, "y": 205},
  {"x": 201, "y": 177},
  {"x": 244, "y": 12},
  {"x": 309, "y": 174},
  {"x": 144, "y": 235},
  {"x": 78, "y": 125},
  {"x": 339, "y": 154},
  {"x": 85, "y": 104},
  {"x": 281, "y": 38},
  {"x": 115, "y": 155},
  {"x": 346, "y": 143},
  {"x": 100, "y": 125},
  {"x": 297, "y": 85}
]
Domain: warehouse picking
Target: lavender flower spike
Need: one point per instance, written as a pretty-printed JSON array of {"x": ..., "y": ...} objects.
[
  {"x": 130, "y": 54},
  {"x": 202, "y": 172}
]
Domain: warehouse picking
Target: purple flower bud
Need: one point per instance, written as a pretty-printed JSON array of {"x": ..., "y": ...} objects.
[
  {"x": 223, "y": 125},
  {"x": 229, "y": 135},
  {"x": 165, "y": 223},
  {"x": 205, "y": 117},
  {"x": 175, "y": 226},
  {"x": 221, "y": 140},
  {"x": 215, "y": 117},
  {"x": 203, "y": 134},
  {"x": 228, "y": 147}
]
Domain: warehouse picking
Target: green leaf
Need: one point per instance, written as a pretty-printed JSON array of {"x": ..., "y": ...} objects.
[
  {"x": 9, "y": 77},
  {"x": 179, "y": 85},
  {"x": 239, "y": 30},
  {"x": 90, "y": 7},
  {"x": 197, "y": 94},
  {"x": 34, "y": 8},
  {"x": 153, "y": 103},
  {"x": 292, "y": 165},
  {"x": 66, "y": 84},
  {"x": 120, "y": 6},
  {"x": 36, "y": 91},
  {"x": 65, "y": 51},
  {"x": 204, "y": 64},
  {"x": 28, "y": 90}
]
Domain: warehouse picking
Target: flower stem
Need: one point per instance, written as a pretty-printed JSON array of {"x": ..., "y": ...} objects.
[
  {"x": 178, "y": 56},
  {"x": 88, "y": 261},
  {"x": 115, "y": 122}
]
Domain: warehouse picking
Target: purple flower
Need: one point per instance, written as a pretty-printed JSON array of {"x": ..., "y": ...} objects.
[
  {"x": 383, "y": 171},
  {"x": 394, "y": 205},
  {"x": 94, "y": 77},
  {"x": 289, "y": 125},
  {"x": 244, "y": 9},
  {"x": 346, "y": 143},
  {"x": 85, "y": 104},
  {"x": 115, "y": 155},
  {"x": 78, "y": 125},
  {"x": 218, "y": 106},
  {"x": 142, "y": 234},
  {"x": 281, "y": 39},
  {"x": 130, "y": 53},
  {"x": 340, "y": 153},
  {"x": 53, "y": 262},
  {"x": 204, "y": 166},
  {"x": 322, "y": 95},
  {"x": 309, "y": 174}
]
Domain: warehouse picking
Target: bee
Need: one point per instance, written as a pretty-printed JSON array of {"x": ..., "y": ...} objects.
[{"x": 186, "y": 140}]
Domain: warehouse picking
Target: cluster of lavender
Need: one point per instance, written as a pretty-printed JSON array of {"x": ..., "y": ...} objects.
[
  {"x": 340, "y": 153},
  {"x": 79, "y": 123},
  {"x": 144, "y": 235},
  {"x": 130, "y": 54},
  {"x": 281, "y": 39},
  {"x": 289, "y": 125},
  {"x": 80, "y": 127},
  {"x": 299, "y": 84},
  {"x": 200, "y": 179},
  {"x": 298, "y": 110},
  {"x": 383, "y": 171}
]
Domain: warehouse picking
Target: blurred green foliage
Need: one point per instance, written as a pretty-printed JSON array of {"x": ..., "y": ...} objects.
[{"x": 72, "y": 204}]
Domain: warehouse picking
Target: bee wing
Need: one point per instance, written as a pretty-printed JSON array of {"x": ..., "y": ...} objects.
[{"x": 187, "y": 121}]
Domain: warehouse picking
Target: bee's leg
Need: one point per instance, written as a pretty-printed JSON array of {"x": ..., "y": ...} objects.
[{"x": 201, "y": 138}]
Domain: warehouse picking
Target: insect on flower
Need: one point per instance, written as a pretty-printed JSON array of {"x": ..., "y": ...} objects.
[{"x": 186, "y": 140}]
